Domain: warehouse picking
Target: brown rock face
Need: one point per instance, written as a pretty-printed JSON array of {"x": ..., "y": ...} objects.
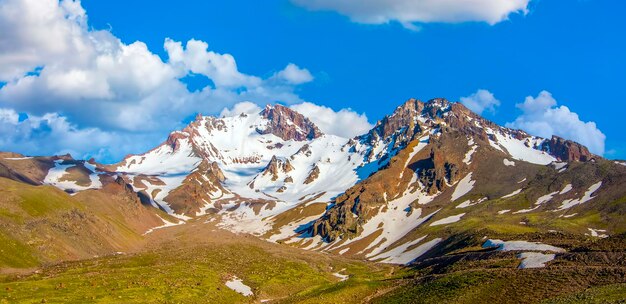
[
  {"x": 275, "y": 166},
  {"x": 288, "y": 124},
  {"x": 403, "y": 116},
  {"x": 173, "y": 138},
  {"x": 313, "y": 175},
  {"x": 195, "y": 190},
  {"x": 567, "y": 150}
]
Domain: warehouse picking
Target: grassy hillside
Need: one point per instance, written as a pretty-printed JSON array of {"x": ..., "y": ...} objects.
[
  {"x": 42, "y": 224},
  {"x": 198, "y": 273}
]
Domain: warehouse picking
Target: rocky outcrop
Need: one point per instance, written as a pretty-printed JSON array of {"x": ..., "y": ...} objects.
[
  {"x": 313, "y": 175},
  {"x": 198, "y": 189},
  {"x": 436, "y": 172},
  {"x": 404, "y": 117},
  {"x": 567, "y": 150},
  {"x": 277, "y": 166},
  {"x": 288, "y": 124}
]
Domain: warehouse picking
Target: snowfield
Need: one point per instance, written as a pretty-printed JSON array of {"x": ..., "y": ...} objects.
[
  {"x": 520, "y": 246},
  {"x": 57, "y": 177}
]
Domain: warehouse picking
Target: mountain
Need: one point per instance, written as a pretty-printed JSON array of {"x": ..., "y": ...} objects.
[
  {"x": 432, "y": 185},
  {"x": 426, "y": 161}
]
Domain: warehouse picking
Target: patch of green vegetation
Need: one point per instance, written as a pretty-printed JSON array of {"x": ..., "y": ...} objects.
[
  {"x": 615, "y": 293},
  {"x": 578, "y": 223},
  {"x": 198, "y": 275},
  {"x": 15, "y": 254},
  {"x": 7, "y": 214},
  {"x": 455, "y": 288},
  {"x": 39, "y": 201},
  {"x": 506, "y": 228},
  {"x": 502, "y": 225}
]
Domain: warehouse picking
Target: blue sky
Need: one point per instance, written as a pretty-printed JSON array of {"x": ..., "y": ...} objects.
[{"x": 573, "y": 49}]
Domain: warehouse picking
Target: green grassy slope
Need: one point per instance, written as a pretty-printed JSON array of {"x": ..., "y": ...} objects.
[{"x": 197, "y": 275}]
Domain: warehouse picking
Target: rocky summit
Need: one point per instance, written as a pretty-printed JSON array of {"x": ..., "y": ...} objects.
[{"x": 433, "y": 204}]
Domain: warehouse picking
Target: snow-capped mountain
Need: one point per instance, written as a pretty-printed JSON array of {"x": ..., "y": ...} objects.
[{"x": 392, "y": 194}]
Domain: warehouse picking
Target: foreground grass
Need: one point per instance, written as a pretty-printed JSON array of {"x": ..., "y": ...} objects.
[
  {"x": 197, "y": 275},
  {"x": 615, "y": 293}
]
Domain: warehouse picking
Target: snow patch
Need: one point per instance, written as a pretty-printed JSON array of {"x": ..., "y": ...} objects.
[
  {"x": 468, "y": 156},
  {"x": 512, "y": 194},
  {"x": 587, "y": 197},
  {"x": 599, "y": 233},
  {"x": 448, "y": 220},
  {"x": 508, "y": 163},
  {"x": 567, "y": 188},
  {"x": 560, "y": 167},
  {"x": 237, "y": 285},
  {"x": 165, "y": 225},
  {"x": 520, "y": 246},
  {"x": 342, "y": 277},
  {"x": 400, "y": 254},
  {"x": 469, "y": 203},
  {"x": 521, "y": 149},
  {"x": 56, "y": 174},
  {"x": 534, "y": 259},
  {"x": 546, "y": 198},
  {"x": 463, "y": 187}
]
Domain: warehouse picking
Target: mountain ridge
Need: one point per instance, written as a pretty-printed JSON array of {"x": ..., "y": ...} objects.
[{"x": 249, "y": 170}]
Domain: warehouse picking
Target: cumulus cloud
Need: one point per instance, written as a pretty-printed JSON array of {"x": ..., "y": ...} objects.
[
  {"x": 542, "y": 117},
  {"x": 244, "y": 107},
  {"x": 53, "y": 63},
  {"x": 344, "y": 123},
  {"x": 481, "y": 101},
  {"x": 51, "y": 132},
  {"x": 196, "y": 58},
  {"x": 294, "y": 74},
  {"x": 409, "y": 12}
]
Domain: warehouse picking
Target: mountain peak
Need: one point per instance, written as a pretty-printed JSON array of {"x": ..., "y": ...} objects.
[{"x": 288, "y": 124}]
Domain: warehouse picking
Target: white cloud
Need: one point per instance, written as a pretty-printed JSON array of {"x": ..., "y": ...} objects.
[
  {"x": 542, "y": 117},
  {"x": 53, "y": 62},
  {"x": 34, "y": 31},
  {"x": 408, "y": 12},
  {"x": 196, "y": 58},
  {"x": 344, "y": 123},
  {"x": 49, "y": 132},
  {"x": 245, "y": 107},
  {"x": 481, "y": 101},
  {"x": 295, "y": 75}
]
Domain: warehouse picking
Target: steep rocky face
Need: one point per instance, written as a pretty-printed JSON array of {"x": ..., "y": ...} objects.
[
  {"x": 277, "y": 166},
  {"x": 403, "y": 117},
  {"x": 313, "y": 175},
  {"x": 422, "y": 169},
  {"x": 288, "y": 124},
  {"x": 567, "y": 150},
  {"x": 199, "y": 191}
]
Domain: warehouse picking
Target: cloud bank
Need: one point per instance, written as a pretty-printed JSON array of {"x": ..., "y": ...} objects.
[
  {"x": 542, "y": 117},
  {"x": 76, "y": 80},
  {"x": 410, "y": 12}
]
